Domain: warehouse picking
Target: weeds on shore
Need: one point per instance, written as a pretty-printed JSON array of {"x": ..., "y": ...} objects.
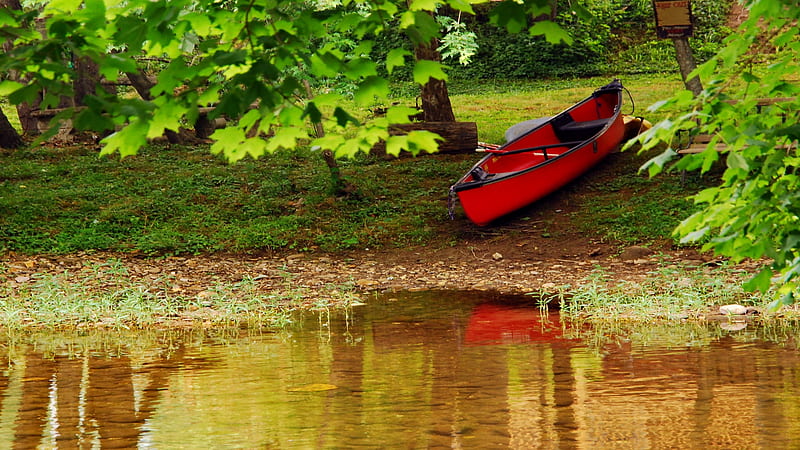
[
  {"x": 671, "y": 292},
  {"x": 106, "y": 297}
]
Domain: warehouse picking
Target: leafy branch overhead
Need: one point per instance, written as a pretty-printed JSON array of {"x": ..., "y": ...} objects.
[
  {"x": 751, "y": 110},
  {"x": 246, "y": 59}
]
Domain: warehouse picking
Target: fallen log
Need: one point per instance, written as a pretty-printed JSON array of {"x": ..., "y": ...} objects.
[{"x": 459, "y": 137}]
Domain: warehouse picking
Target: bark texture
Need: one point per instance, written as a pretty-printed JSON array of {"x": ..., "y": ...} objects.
[
  {"x": 459, "y": 137},
  {"x": 436, "y": 106},
  {"x": 9, "y": 137},
  {"x": 687, "y": 64}
]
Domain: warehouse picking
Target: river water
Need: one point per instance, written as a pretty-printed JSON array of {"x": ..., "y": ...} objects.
[{"x": 412, "y": 370}]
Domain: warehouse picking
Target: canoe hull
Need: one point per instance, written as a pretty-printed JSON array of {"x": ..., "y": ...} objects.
[{"x": 515, "y": 177}]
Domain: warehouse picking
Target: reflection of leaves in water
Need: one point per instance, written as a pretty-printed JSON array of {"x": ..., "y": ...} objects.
[{"x": 315, "y": 387}]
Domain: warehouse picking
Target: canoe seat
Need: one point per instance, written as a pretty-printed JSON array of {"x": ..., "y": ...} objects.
[
  {"x": 579, "y": 131},
  {"x": 478, "y": 174},
  {"x": 547, "y": 155}
]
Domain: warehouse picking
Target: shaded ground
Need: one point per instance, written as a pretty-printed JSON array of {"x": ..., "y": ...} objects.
[
  {"x": 517, "y": 257},
  {"x": 514, "y": 261},
  {"x": 535, "y": 250}
]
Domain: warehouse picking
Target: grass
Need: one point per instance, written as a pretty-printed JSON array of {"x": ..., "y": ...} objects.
[
  {"x": 628, "y": 208},
  {"x": 668, "y": 293},
  {"x": 61, "y": 200},
  {"x": 670, "y": 307},
  {"x": 104, "y": 295},
  {"x": 178, "y": 200},
  {"x": 183, "y": 200},
  {"x": 497, "y": 105}
]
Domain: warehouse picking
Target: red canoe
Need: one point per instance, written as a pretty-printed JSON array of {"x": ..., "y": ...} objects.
[{"x": 543, "y": 159}]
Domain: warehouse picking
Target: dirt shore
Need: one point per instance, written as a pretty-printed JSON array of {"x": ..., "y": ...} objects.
[
  {"x": 517, "y": 263},
  {"x": 538, "y": 249}
]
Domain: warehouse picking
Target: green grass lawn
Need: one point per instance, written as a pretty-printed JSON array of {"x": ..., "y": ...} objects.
[{"x": 169, "y": 200}]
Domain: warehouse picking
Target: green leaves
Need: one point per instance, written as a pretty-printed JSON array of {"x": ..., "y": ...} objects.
[
  {"x": 458, "y": 43},
  {"x": 89, "y": 119},
  {"x": 370, "y": 89},
  {"x": 8, "y": 87},
  {"x": 233, "y": 143},
  {"x": 551, "y": 31},
  {"x": 396, "y": 58},
  {"x": 425, "y": 69},
  {"x": 58, "y": 7},
  {"x": 343, "y": 117},
  {"x": 752, "y": 213},
  {"x": 423, "y": 5},
  {"x": 127, "y": 141},
  {"x": 416, "y": 141},
  {"x": 400, "y": 114},
  {"x": 270, "y": 68},
  {"x": 509, "y": 15},
  {"x": 420, "y": 26},
  {"x": 513, "y": 16}
]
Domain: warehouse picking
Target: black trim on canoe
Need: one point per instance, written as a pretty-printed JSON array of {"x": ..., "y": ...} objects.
[
  {"x": 564, "y": 121},
  {"x": 570, "y": 130},
  {"x": 610, "y": 88}
]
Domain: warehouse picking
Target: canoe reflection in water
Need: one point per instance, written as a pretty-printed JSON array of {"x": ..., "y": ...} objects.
[
  {"x": 495, "y": 323},
  {"x": 410, "y": 370}
]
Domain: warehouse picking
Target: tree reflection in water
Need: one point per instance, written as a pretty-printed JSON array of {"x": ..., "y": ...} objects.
[{"x": 442, "y": 369}]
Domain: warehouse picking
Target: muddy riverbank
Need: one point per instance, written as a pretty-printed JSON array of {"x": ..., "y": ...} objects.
[{"x": 507, "y": 265}]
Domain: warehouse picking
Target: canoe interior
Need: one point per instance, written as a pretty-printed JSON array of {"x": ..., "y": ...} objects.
[
  {"x": 543, "y": 159},
  {"x": 579, "y": 123}
]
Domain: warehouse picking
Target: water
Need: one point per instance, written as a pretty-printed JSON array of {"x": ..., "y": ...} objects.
[{"x": 421, "y": 370}]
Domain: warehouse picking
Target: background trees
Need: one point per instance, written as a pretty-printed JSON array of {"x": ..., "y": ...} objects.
[
  {"x": 247, "y": 60},
  {"x": 271, "y": 53}
]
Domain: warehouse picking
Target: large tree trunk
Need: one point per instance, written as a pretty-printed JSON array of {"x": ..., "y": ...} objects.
[
  {"x": 436, "y": 105},
  {"x": 27, "y": 121},
  {"x": 9, "y": 138},
  {"x": 87, "y": 80}
]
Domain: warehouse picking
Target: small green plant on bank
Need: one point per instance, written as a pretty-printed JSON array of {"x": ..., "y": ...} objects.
[
  {"x": 604, "y": 336},
  {"x": 670, "y": 292},
  {"x": 107, "y": 297}
]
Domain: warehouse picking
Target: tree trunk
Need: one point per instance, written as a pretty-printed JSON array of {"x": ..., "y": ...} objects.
[
  {"x": 29, "y": 123},
  {"x": 687, "y": 64},
  {"x": 141, "y": 83},
  {"x": 9, "y": 138},
  {"x": 14, "y": 5},
  {"x": 87, "y": 79},
  {"x": 436, "y": 105}
]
